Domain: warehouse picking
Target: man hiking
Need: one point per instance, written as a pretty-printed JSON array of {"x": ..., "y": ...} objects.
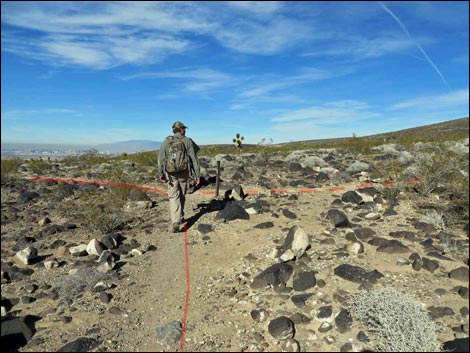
[{"x": 177, "y": 165}]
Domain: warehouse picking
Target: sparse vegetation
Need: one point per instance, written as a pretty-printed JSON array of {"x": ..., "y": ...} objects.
[
  {"x": 144, "y": 159},
  {"x": 39, "y": 167},
  {"x": 397, "y": 320},
  {"x": 90, "y": 157},
  {"x": 10, "y": 168},
  {"x": 99, "y": 213},
  {"x": 433, "y": 217},
  {"x": 70, "y": 287}
]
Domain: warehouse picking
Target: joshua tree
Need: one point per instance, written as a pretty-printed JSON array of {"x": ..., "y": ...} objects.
[{"x": 238, "y": 142}]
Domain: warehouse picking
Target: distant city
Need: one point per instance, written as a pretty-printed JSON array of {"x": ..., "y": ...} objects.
[{"x": 44, "y": 151}]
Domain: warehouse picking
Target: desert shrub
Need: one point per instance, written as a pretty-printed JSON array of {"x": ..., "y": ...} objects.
[
  {"x": 329, "y": 170},
  {"x": 387, "y": 169},
  {"x": 359, "y": 145},
  {"x": 458, "y": 147},
  {"x": 435, "y": 169},
  {"x": 92, "y": 157},
  {"x": 390, "y": 148},
  {"x": 397, "y": 320},
  {"x": 443, "y": 171},
  {"x": 405, "y": 157},
  {"x": 100, "y": 213},
  {"x": 143, "y": 159},
  {"x": 459, "y": 197},
  {"x": 327, "y": 150},
  {"x": 39, "y": 166},
  {"x": 358, "y": 166},
  {"x": 314, "y": 161},
  {"x": 70, "y": 287},
  {"x": 423, "y": 146},
  {"x": 433, "y": 217},
  {"x": 210, "y": 151},
  {"x": 122, "y": 174},
  {"x": 10, "y": 168},
  {"x": 390, "y": 194}
]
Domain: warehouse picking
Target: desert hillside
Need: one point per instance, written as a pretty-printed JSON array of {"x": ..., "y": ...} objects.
[{"x": 318, "y": 249}]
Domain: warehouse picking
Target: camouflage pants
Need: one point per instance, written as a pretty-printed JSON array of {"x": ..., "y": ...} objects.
[{"x": 177, "y": 190}]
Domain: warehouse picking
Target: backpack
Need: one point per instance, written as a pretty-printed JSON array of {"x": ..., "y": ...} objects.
[{"x": 176, "y": 156}]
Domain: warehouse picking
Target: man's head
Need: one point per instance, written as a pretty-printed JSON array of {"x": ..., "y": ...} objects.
[{"x": 178, "y": 126}]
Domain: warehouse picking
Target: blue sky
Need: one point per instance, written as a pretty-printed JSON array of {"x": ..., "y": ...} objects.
[{"x": 100, "y": 72}]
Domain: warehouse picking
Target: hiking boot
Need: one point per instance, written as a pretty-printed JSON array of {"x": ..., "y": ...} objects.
[{"x": 175, "y": 228}]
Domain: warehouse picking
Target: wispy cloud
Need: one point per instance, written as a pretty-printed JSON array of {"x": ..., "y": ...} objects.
[
  {"x": 96, "y": 52},
  {"x": 275, "y": 83},
  {"x": 362, "y": 48},
  {"x": 37, "y": 113},
  {"x": 192, "y": 80},
  {"x": 257, "y": 7},
  {"x": 259, "y": 38},
  {"x": 103, "y": 35},
  {"x": 330, "y": 113},
  {"x": 455, "y": 98}
]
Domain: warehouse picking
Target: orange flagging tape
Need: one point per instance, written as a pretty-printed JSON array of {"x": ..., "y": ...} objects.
[
  {"x": 336, "y": 188},
  {"x": 101, "y": 182},
  {"x": 308, "y": 190},
  {"x": 208, "y": 192},
  {"x": 413, "y": 180},
  {"x": 367, "y": 185},
  {"x": 278, "y": 191}
]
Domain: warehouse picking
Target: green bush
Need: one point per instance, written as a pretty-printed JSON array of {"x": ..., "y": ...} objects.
[
  {"x": 397, "y": 320},
  {"x": 441, "y": 170},
  {"x": 39, "y": 166},
  {"x": 92, "y": 157},
  {"x": 100, "y": 212},
  {"x": 122, "y": 175},
  {"x": 10, "y": 169},
  {"x": 144, "y": 159}
]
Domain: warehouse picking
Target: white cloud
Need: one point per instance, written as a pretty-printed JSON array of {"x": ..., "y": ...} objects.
[
  {"x": 102, "y": 35},
  {"x": 455, "y": 98},
  {"x": 79, "y": 53},
  {"x": 107, "y": 34},
  {"x": 252, "y": 37},
  {"x": 193, "y": 80},
  {"x": 329, "y": 113},
  {"x": 257, "y": 7}
]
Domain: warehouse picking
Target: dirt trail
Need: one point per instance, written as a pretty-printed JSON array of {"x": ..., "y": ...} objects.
[{"x": 160, "y": 277}]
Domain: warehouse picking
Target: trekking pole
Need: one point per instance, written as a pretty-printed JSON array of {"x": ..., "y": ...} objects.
[{"x": 217, "y": 180}]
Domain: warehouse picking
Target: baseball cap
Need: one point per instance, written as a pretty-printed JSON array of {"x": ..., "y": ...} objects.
[{"x": 178, "y": 124}]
